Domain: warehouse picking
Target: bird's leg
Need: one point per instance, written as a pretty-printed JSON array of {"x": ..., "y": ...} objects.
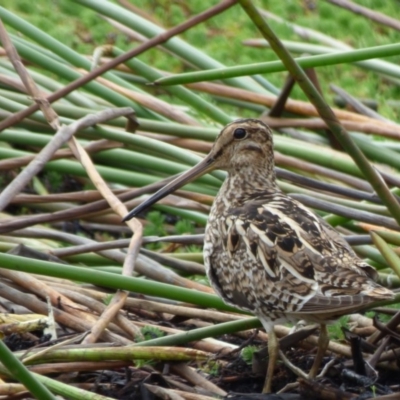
[
  {"x": 273, "y": 350},
  {"x": 323, "y": 343}
]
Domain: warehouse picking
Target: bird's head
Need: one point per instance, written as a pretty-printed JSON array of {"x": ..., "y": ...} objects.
[{"x": 245, "y": 144}]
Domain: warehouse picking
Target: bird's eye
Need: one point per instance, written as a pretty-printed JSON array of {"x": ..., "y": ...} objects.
[{"x": 239, "y": 133}]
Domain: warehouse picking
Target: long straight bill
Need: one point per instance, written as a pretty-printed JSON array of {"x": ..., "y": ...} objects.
[{"x": 199, "y": 169}]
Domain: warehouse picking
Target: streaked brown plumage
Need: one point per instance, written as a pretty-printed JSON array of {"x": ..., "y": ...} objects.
[{"x": 265, "y": 252}]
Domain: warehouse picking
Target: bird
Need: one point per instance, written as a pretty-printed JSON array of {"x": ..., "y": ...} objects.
[{"x": 267, "y": 253}]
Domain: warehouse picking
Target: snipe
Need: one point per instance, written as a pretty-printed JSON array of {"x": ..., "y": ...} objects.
[{"x": 265, "y": 252}]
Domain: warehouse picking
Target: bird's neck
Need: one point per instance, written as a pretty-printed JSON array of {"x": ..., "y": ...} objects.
[{"x": 242, "y": 186}]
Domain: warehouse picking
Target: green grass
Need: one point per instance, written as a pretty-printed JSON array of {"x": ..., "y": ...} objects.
[{"x": 222, "y": 36}]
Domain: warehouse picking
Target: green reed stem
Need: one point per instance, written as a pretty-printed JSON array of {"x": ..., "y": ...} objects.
[{"x": 324, "y": 110}]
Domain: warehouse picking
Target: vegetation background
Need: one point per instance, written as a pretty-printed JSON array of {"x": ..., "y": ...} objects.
[
  {"x": 164, "y": 146},
  {"x": 222, "y": 36}
]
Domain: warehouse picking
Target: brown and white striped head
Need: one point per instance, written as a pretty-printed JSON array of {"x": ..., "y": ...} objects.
[{"x": 243, "y": 147}]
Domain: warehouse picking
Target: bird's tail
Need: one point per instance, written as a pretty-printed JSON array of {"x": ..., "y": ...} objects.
[{"x": 380, "y": 293}]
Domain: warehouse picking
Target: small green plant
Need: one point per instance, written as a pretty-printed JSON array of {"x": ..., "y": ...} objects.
[
  {"x": 211, "y": 368},
  {"x": 151, "y": 332},
  {"x": 193, "y": 249},
  {"x": 148, "y": 332},
  {"x": 107, "y": 299},
  {"x": 184, "y": 226},
  {"x": 155, "y": 225},
  {"x": 54, "y": 180},
  {"x": 247, "y": 353},
  {"x": 200, "y": 279},
  {"x": 335, "y": 330}
]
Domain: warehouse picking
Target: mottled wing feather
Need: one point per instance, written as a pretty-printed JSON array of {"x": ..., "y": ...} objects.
[{"x": 296, "y": 262}]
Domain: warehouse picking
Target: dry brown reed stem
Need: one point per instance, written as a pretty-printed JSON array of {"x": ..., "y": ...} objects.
[
  {"x": 216, "y": 316},
  {"x": 191, "y": 396},
  {"x": 14, "y": 223},
  {"x": 152, "y": 103},
  {"x": 170, "y": 200},
  {"x": 390, "y": 355},
  {"x": 129, "y": 262},
  {"x": 200, "y": 146},
  {"x": 312, "y": 340},
  {"x": 87, "y": 248},
  {"x": 38, "y": 287},
  {"x": 294, "y": 106},
  {"x": 79, "y": 366},
  {"x": 190, "y": 267},
  {"x": 31, "y": 302},
  {"x": 364, "y": 332},
  {"x": 84, "y": 196},
  {"x": 28, "y": 82},
  {"x": 133, "y": 304},
  {"x": 93, "y": 147},
  {"x": 359, "y": 321},
  {"x": 11, "y": 389},
  {"x": 64, "y": 134},
  {"x": 355, "y": 104},
  {"x": 22, "y": 327},
  {"x": 144, "y": 265},
  {"x": 164, "y": 393},
  {"x": 196, "y": 379},
  {"x": 12, "y": 82},
  {"x": 197, "y": 197},
  {"x": 153, "y": 42},
  {"x": 375, "y": 16},
  {"x": 282, "y": 160},
  {"x": 317, "y": 123},
  {"x": 79, "y": 296}
]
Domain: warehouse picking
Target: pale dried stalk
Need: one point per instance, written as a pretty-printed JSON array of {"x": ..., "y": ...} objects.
[
  {"x": 18, "y": 162},
  {"x": 389, "y": 130},
  {"x": 163, "y": 393},
  {"x": 63, "y": 134},
  {"x": 80, "y": 366},
  {"x": 191, "y": 396},
  {"x": 13, "y": 82},
  {"x": 364, "y": 332},
  {"x": 122, "y": 323},
  {"x": 129, "y": 262},
  {"x": 84, "y": 196},
  {"x": 294, "y": 106},
  {"x": 10, "y": 389},
  {"x": 334, "y": 347},
  {"x": 33, "y": 285},
  {"x": 375, "y": 16},
  {"x": 144, "y": 265},
  {"x": 196, "y": 379},
  {"x": 31, "y": 302},
  {"x": 30, "y": 85},
  {"x": 358, "y": 320},
  {"x": 293, "y": 162},
  {"x": 158, "y": 307},
  {"x": 36, "y": 355},
  {"x": 110, "y": 312},
  {"x": 151, "y": 103}
]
